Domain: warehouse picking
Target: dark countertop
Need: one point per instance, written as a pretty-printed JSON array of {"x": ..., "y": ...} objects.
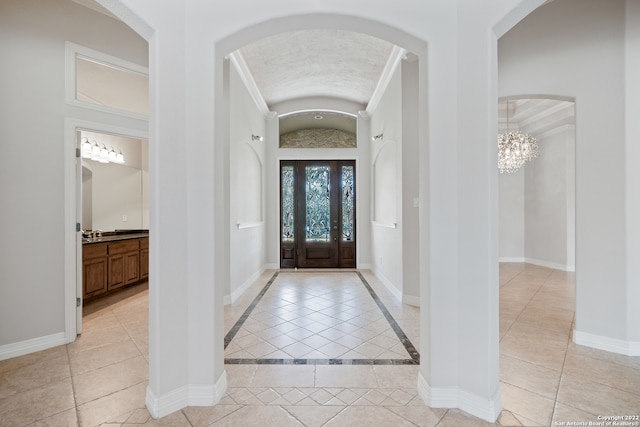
[{"x": 113, "y": 238}]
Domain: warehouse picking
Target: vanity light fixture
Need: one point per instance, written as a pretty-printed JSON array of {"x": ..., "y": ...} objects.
[
  {"x": 256, "y": 138},
  {"x": 377, "y": 137},
  {"x": 99, "y": 152}
]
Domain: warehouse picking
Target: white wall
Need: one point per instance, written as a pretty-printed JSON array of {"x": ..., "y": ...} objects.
[
  {"x": 632, "y": 130},
  {"x": 32, "y": 126},
  {"x": 386, "y": 161},
  {"x": 556, "y": 51},
  {"x": 247, "y": 187},
  {"x": 548, "y": 199},
  {"x": 537, "y": 205},
  {"x": 512, "y": 216}
]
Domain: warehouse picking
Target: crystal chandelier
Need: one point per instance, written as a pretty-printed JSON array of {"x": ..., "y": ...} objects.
[{"x": 514, "y": 149}]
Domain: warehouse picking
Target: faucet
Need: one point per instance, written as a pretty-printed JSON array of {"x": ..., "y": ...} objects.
[{"x": 97, "y": 233}]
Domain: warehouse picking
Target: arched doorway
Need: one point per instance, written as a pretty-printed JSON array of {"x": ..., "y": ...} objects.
[{"x": 448, "y": 184}]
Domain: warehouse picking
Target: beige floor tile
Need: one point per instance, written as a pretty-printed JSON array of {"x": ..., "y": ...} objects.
[
  {"x": 63, "y": 419},
  {"x": 401, "y": 376},
  {"x": 99, "y": 357},
  {"x": 114, "y": 408},
  {"x": 314, "y": 416},
  {"x": 422, "y": 416},
  {"x": 101, "y": 319},
  {"x": 537, "y": 379},
  {"x": 264, "y": 416},
  {"x": 30, "y": 359},
  {"x": 367, "y": 416},
  {"x": 596, "y": 398},
  {"x": 176, "y": 419},
  {"x": 284, "y": 376},
  {"x": 104, "y": 381},
  {"x": 42, "y": 372},
  {"x": 618, "y": 359},
  {"x": 549, "y": 354},
  {"x": 603, "y": 372},
  {"x": 346, "y": 376},
  {"x": 201, "y": 416},
  {"x": 457, "y": 418},
  {"x": 564, "y": 414},
  {"x": 536, "y": 316},
  {"x": 527, "y": 404},
  {"x": 98, "y": 338},
  {"x": 507, "y": 419},
  {"x": 36, "y": 404}
]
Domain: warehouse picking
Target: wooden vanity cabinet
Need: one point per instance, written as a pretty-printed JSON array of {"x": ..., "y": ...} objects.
[
  {"x": 94, "y": 269},
  {"x": 110, "y": 265},
  {"x": 124, "y": 263},
  {"x": 144, "y": 258}
]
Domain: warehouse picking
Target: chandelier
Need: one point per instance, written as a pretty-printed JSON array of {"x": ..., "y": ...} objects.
[{"x": 515, "y": 149}]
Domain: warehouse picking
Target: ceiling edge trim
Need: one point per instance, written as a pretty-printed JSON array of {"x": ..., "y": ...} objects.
[
  {"x": 397, "y": 54},
  {"x": 241, "y": 66}
]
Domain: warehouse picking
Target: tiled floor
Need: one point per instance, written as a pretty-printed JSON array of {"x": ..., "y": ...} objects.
[
  {"x": 545, "y": 378},
  {"x": 332, "y": 317}
]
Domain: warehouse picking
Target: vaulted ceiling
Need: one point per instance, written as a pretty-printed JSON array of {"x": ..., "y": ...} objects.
[{"x": 317, "y": 63}]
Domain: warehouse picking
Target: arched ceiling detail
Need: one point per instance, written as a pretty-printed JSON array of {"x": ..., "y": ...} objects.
[{"x": 317, "y": 63}]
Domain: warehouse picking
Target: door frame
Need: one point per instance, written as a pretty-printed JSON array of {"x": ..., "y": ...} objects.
[
  {"x": 332, "y": 157},
  {"x": 73, "y": 214}
]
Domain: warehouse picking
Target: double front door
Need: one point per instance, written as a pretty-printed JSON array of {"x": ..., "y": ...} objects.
[{"x": 317, "y": 214}]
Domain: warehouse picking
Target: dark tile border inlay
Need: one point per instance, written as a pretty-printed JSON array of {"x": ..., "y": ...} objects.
[{"x": 411, "y": 350}]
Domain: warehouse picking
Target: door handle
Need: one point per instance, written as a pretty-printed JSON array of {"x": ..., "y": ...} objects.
[
  {"x": 335, "y": 227},
  {"x": 335, "y": 238}
]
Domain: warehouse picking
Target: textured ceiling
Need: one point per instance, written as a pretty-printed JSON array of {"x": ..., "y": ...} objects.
[
  {"x": 534, "y": 115},
  {"x": 317, "y": 63}
]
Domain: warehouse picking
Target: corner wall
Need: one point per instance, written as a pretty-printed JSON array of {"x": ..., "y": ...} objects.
[
  {"x": 247, "y": 188},
  {"x": 386, "y": 187},
  {"x": 32, "y": 128},
  {"x": 537, "y": 205},
  {"x": 556, "y": 51}
]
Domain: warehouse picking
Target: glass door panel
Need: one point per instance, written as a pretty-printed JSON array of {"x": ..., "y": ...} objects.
[
  {"x": 317, "y": 214},
  {"x": 318, "y": 203}
]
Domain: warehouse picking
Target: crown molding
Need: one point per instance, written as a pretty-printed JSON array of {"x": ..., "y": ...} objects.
[
  {"x": 397, "y": 55},
  {"x": 239, "y": 62}
]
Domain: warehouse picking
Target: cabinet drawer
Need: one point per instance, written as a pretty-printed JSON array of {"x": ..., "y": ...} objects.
[
  {"x": 144, "y": 243},
  {"x": 94, "y": 250},
  {"x": 123, "y": 246}
]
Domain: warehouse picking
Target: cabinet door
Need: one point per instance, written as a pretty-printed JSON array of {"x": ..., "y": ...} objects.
[
  {"x": 132, "y": 267},
  {"x": 116, "y": 271},
  {"x": 144, "y": 263},
  {"x": 95, "y": 276}
]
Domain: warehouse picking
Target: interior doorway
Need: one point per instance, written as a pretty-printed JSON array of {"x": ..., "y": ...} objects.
[
  {"x": 317, "y": 214},
  {"x": 111, "y": 212}
]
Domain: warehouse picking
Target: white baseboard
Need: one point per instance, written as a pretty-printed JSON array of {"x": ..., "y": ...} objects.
[
  {"x": 364, "y": 266},
  {"x": 511, "y": 259},
  {"x": 230, "y": 299},
  {"x": 542, "y": 263},
  {"x": 160, "y": 406},
  {"x": 33, "y": 345},
  {"x": 388, "y": 284},
  {"x": 613, "y": 345},
  {"x": 454, "y": 397},
  {"x": 188, "y": 395},
  {"x": 411, "y": 300}
]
